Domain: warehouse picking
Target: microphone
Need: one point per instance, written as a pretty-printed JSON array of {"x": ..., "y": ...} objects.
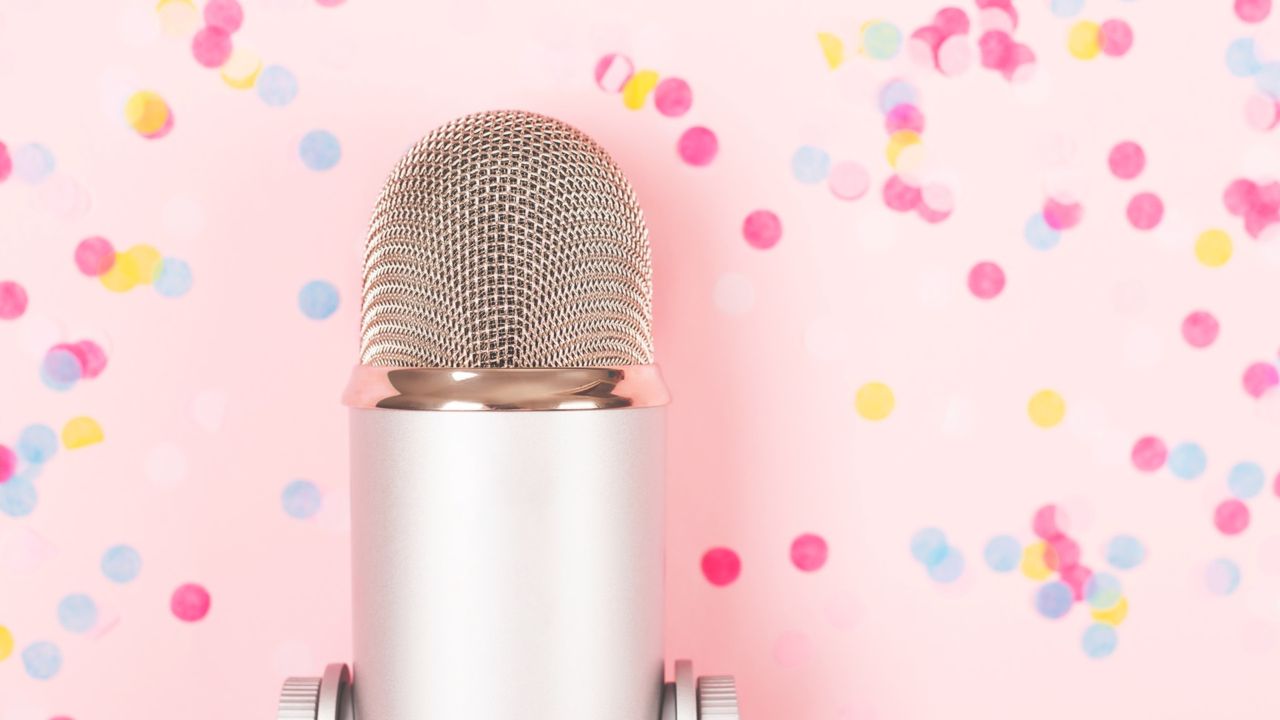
[{"x": 507, "y": 445}]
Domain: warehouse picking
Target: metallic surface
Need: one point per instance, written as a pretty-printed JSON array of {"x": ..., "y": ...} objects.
[
  {"x": 507, "y": 565},
  {"x": 506, "y": 240},
  {"x": 298, "y": 699},
  {"x": 717, "y": 697},
  {"x": 505, "y": 388},
  {"x": 317, "y": 698}
]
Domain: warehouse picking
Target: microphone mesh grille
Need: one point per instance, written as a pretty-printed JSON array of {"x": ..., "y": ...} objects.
[{"x": 506, "y": 240}]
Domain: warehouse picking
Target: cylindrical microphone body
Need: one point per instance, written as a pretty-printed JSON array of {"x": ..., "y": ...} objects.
[{"x": 507, "y": 564}]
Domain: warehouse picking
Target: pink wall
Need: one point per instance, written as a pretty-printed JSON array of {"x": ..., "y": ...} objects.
[{"x": 213, "y": 402}]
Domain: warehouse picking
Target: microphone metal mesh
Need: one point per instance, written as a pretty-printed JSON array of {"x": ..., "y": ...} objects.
[{"x": 506, "y": 240}]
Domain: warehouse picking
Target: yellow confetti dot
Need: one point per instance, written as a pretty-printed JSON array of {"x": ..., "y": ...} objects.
[
  {"x": 146, "y": 112},
  {"x": 874, "y": 401},
  {"x": 147, "y": 259},
  {"x": 638, "y": 88},
  {"x": 241, "y": 69},
  {"x": 122, "y": 276},
  {"x": 1047, "y": 408},
  {"x": 80, "y": 432},
  {"x": 1033, "y": 561},
  {"x": 1085, "y": 40},
  {"x": 1113, "y": 615},
  {"x": 832, "y": 49},
  {"x": 178, "y": 17},
  {"x": 6, "y": 642},
  {"x": 1213, "y": 248},
  {"x": 899, "y": 142}
]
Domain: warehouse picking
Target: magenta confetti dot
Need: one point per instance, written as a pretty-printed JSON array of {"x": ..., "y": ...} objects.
[
  {"x": 1258, "y": 218},
  {"x": 762, "y": 229},
  {"x": 1116, "y": 37},
  {"x": 1241, "y": 196},
  {"x": 698, "y": 146},
  {"x": 6, "y": 163},
  {"x": 1062, "y": 553},
  {"x": 1127, "y": 160},
  {"x": 613, "y": 71},
  {"x": 904, "y": 116},
  {"x": 8, "y": 462},
  {"x": 936, "y": 203},
  {"x": 1259, "y": 378},
  {"x": 1275, "y": 485},
  {"x": 90, "y": 355},
  {"x": 1076, "y": 577},
  {"x": 848, "y": 180},
  {"x": 1061, "y": 215},
  {"x": 1149, "y": 453},
  {"x": 95, "y": 256},
  {"x": 899, "y": 195},
  {"x": 721, "y": 566},
  {"x": 1049, "y": 522},
  {"x": 329, "y": 3},
  {"x": 923, "y": 46},
  {"x": 1145, "y": 211},
  {"x": 225, "y": 15},
  {"x": 1231, "y": 517},
  {"x": 1253, "y": 11},
  {"x": 951, "y": 21},
  {"x": 190, "y": 602},
  {"x": 13, "y": 300},
  {"x": 809, "y": 552},
  {"x": 986, "y": 280},
  {"x": 673, "y": 97},
  {"x": 1020, "y": 65},
  {"x": 211, "y": 46},
  {"x": 1200, "y": 329},
  {"x": 995, "y": 49}
]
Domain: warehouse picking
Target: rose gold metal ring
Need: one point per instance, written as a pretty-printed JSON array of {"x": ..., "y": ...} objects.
[{"x": 602, "y": 388}]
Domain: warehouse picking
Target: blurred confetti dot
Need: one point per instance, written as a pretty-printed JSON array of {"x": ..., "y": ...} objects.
[
  {"x": 6, "y": 643},
  {"x": 277, "y": 86},
  {"x": 190, "y": 602},
  {"x": 60, "y": 369},
  {"x": 832, "y": 49},
  {"x": 874, "y": 401},
  {"x": 240, "y": 71},
  {"x": 721, "y": 566},
  {"x": 1084, "y": 41},
  {"x": 809, "y": 552},
  {"x": 1231, "y": 517},
  {"x": 904, "y": 116},
  {"x": 900, "y": 195},
  {"x": 637, "y": 89},
  {"x": 1066, "y": 8},
  {"x": 37, "y": 443},
  {"x": 211, "y": 46},
  {"x": 6, "y": 162},
  {"x": 986, "y": 280},
  {"x": 1253, "y": 11},
  {"x": 1054, "y": 599},
  {"x": 319, "y": 150},
  {"x": 32, "y": 163},
  {"x": 226, "y": 15},
  {"x": 91, "y": 357},
  {"x": 1002, "y": 553},
  {"x": 673, "y": 97},
  {"x": 179, "y": 18},
  {"x": 42, "y": 660},
  {"x": 1115, "y": 37},
  {"x": 1062, "y": 215},
  {"x": 1062, "y": 553},
  {"x": 697, "y": 146},
  {"x": 848, "y": 180},
  {"x": 95, "y": 256},
  {"x": 1242, "y": 57},
  {"x": 1050, "y": 522},
  {"x": 1112, "y": 616},
  {"x": 1259, "y": 378},
  {"x": 898, "y": 143},
  {"x": 318, "y": 299},
  {"x": 1246, "y": 480},
  {"x": 762, "y": 229},
  {"x": 301, "y": 499},
  {"x": 810, "y": 164},
  {"x": 896, "y": 92},
  {"x": 13, "y": 300},
  {"x": 881, "y": 40},
  {"x": 949, "y": 568},
  {"x": 1261, "y": 112},
  {"x": 1187, "y": 461},
  {"x": 148, "y": 114},
  {"x": 18, "y": 494},
  {"x": 8, "y": 462},
  {"x": 929, "y": 546},
  {"x": 121, "y": 564},
  {"x": 1039, "y": 234},
  {"x": 330, "y": 3},
  {"x": 1127, "y": 160},
  {"x": 1149, "y": 453},
  {"x": 613, "y": 71},
  {"x": 1125, "y": 552},
  {"x": 1222, "y": 576},
  {"x": 734, "y": 293},
  {"x": 1033, "y": 561},
  {"x": 1046, "y": 408},
  {"x": 77, "y": 613},
  {"x": 1145, "y": 211},
  {"x": 1103, "y": 590},
  {"x": 1200, "y": 329},
  {"x": 173, "y": 278},
  {"x": 1076, "y": 577},
  {"x": 81, "y": 432},
  {"x": 1213, "y": 248},
  {"x": 1099, "y": 640}
]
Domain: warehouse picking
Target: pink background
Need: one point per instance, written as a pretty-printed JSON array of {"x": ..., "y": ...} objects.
[{"x": 213, "y": 402}]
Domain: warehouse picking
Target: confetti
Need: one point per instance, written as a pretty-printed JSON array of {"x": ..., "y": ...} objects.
[
  {"x": 1085, "y": 40},
  {"x": 190, "y": 602},
  {"x": 1231, "y": 517},
  {"x": 1115, "y": 37},
  {"x": 697, "y": 146},
  {"x": 1046, "y": 408},
  {"x": 277, "y": 86},
  {"x": 173, "y": 278},
  {"x": 762, "y": 229},
  {"x": 77, "y": 614},
  {"x": 986, "y": 280},
  {"x": 13, "y": 300},
  {"x": 721, "y": 566},
  {"x": 1039, "y": 234},
  {"x": 301, "y": 499},
  {"x": 226, "y": 15},
  {"x": 832, "y": 49},
  {"x": 95, "y": 256},
  {"x": 1149, "y": 454},
  {"x": 319, "y": 150},
  {"x": 1033, "y": 561},
  {"x": 42, "y": 660},
  {"x": 1127, "y": 160},
  {"x": 1187, "y": 461},
  {"x": 810, "y": 165},
  {"x": 318, "y": 299},
  {"x": 637, "y": 89},
  {"x": 32, "y": 163},
  {"x": 1222, "y": 576},
  {"x": 1099, "y": 640},
  {"x": 1112, "y": 616},
  {"x": 1253, "y": 11},
  {"x": 1125, "y": 552},
  {"x": 848, "y": 180},
  {"x": 6, "y": 643},
  {"x": 1103, "y": 591},
  {"x": 673, "y": 97},
  {"x": 1242, "y": 58},
  {"x": 8, "y": 463},
  {"x": 1259, "y": 378},
  {"x": 1053, "y": 600},
  {"x": 1200, "y": 329},
  {"x": 881, "y": 40},
  {"x": 809, "y": 552},
  {"x": 81, "y": 432},
  {"x": 874, "y": 401},
  {"x": 121, "y": 564},
  {"x": 240, "y": 71},
  {"x": 1002, "y": 553},
  {"x": 949, "y": 568}
]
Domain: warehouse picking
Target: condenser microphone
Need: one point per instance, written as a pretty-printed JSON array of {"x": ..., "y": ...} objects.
[{"x": 507, "y": 445}]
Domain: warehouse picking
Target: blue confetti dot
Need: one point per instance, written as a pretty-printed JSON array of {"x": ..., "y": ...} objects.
[
  {"x": 1103, "y": 590},
  {"x": 33, "y": 163},
  {"x": 1187, "y": 461},
  {"x": 950, "y": 568},
  {"x": 18, "y": 494},
  {"x": 60, "y": 369},
  {"x": 37, "y": 444},
  {"x": 810, "y": 164},
  {"x": 173, "y": 278},
  {"x": 77, "y": 613},
  {"x": 42, "y": 660},
  {"x": 121, "y": 563},
  {"x": 1268, "y": 79},
  {"x": 1246, "y": 480},
  {"x": 1054, "y": 599},
  {"x": 1125, "y": 552},
  {"x": 882, "y": 40},
  {"x": 1099, "y": 640},
  {"x": 301, "y": 499},
  {"x": 1242, "y": 58},
  {"x": 897, "y": 92},
  {"x": 1003, "y": 553},
  {"x": 1222, "y": 576},
  {"x": 277, "y": 86},
  {"x": 1066, "y": 8},
  {"x": 319, "y": 150},
  {"x": 929, "y": 546},
  {"x": 318, "y": 299},
  {"x": 1038, "y": 233}
]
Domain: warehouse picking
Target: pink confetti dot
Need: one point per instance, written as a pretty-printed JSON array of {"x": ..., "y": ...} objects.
[
  {"x": 986, "y": 280},
  {"x": 1261, "y": 112},
  {"x": 1200, "y": 329},
  {"x": 1076, "y": 577},
  {"x": 849, "y": 180},
  {"x": 1062, "y": 553},
  {"x": 1049, "y": 522},
  {"x": 211, "y": 46},
  {"x": 329, "y": 3},
  {"x": 95, "y": 256},
  {"x": 1275, "y": 485},
  {"x": 923, "y": 45},
  {"x": 223, "y": 14},
  {"x": 6, "y": 163},
  {"x": 1231, "y": 517},
  {"x": 1253, "y": 11},
  {"x": 1259, "y": 378},
  {"x": 904, "y": 116},
  {"x": 954, "y": 55},
  {"x": 809, "y": 552},
  {"x": 762, "y": 229},
  {"x": 1127, "y": 160},
  {"x": 13, "y": 300},
  {"x": 899, "y": 195},
  {"x": 673, "y": 97},
  {"x": 190, "y": 602},
  {"x": 1258, "y": 218},
  {"x": 1145, "y": 211},
  {"x": 1149, "y": 453},
  {"x": 951, "y": 21},
  {"x": 995, "y": 49},
  {"x": 1240, "y": 196},
  {"x": 936, "y": 203},
  {"x": 89, "y": 354},
  {"x": 1061, "y": 215},
  {"x": 1116, "y": 37},
  {"x": 8, "y": 461},
  {"x": 721, "y": 566},
  {"x": 613, "y": 71},
  {"x": 1020, "y": 65},
  {"x": 698, "y": 146}
]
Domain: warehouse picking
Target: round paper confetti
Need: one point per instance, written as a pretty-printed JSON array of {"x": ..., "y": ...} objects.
[
  {"x": 1066, "y": 8},
  {"x": 900, "y": 195},
  {"x": 1231, "y": 517},
  {"x": 13, "y": 300},
  {"x": 173, "y": 278},
  {"x": 1033, "y": 561},
  {"x": 225, "y": 15},
  {"x": 277, "y": 86},
  {"x": 1242, "y": 58},
  {"x": 60, "y": 369},
  {"x": 1125, "y": 552},
  {"x": 762, "y": 229},
  {"x": 1261, "y": 112},
  {"x": 37, "y": 443},
  {"x": 949, "y": 568},
  {"x": 896, "y": 92},
  {"x": 898, "y": 142},
  {"x": 809, "y": 552},
  {"x": 904, "y": 116},
  {"x": 1049, "y": 522},
  {"x": 1115, "y": 37},
  {"x": 1039, "y": 234},
  {"x": 1246, "y": 480},
  {"x": 848, "y": 180},
  {"x": 148, "y": 114},
  {"x": 1145, "y": 210},
  {"x": 936, "y": 203},
  {"x": 318, "y": 299},
  {"x": 77, "y": 614},
  {"x": 1054, "y": 600},
  {"x": 42, "y": 660},
  {"x": 955, "y": 55},
  {"x": 810, "y": 164},
  {"x": 1253, "y": 11},
  {"x": 929, "y": 546},
  {"x": 190, "y": 602},
  {"x": 1099, "y": 640},
  {"x": 697, "y": 146},
  {"x": 1200, "y": 329},
  {"x": 1046, "y": 408},
  {"x": 673, "y": 97},
  {"x": 881, "y": 40},
  {"x": 18, "y": 495},
  {"x": 319, "y": 150},
  {"x": 301, "y": 499},
  {"x": 874, "y": 401},
  {"x": 637, "y": 89},
  {"x": 1062, "y": 553},
  {"x": 832, "y": 49},
  {"x": 32, "y": 163},
  {"x": 81, "y": 432},
  {"x": 721, "y": 566},
  {"x": 8, "y": 462},
  {"x": 613, "y": 71},
  {"x": 91, "y": 357},
  {"x": 1149, "y": 454},
  {"x": 1103, "y": 590},
  {"x": 1003, "y": 553},
  {"x": 1061, "y": 215},
  {"x": 6, "y": 643},
  {"x": 178, "y": 18},
  {"x": 1127, "y": 160},
  {"x": 121, "y": 564},
  {"x": 1076, "y": 576},
  {"x": 95, "y": 256},
  {"x": 240, "y": 71},
  {"x": 1112, "y": 616},
  {"x": 1084, "y": 41},
  {"x": 6, "y": 165},
  {"x": 1187, "y": 461},
  {"x": 1213, "y": 248},
  {"x": 986, "y": 280},
  {"x": 1222, "y": 576},
  {"x": 211, "y": 46},
  {"x": 1259, "y": 378}
]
